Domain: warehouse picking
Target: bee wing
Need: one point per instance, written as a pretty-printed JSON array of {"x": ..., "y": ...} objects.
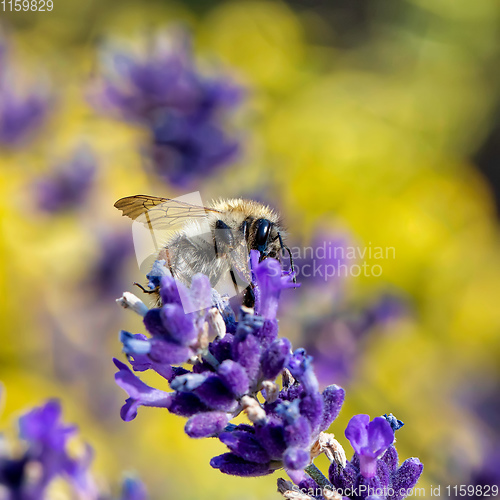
[
  {"x": 160, "y": 213},
  {"x": 156, "y": 221}
]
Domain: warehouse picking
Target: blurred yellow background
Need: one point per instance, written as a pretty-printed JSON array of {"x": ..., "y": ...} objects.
[{"x": 367, "y": 117}]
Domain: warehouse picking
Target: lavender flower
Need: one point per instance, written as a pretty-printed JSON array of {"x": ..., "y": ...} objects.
[
  {"x": 133, "y": 489},
  {"x": 107, "y": 274},
  {"x": 373, "y": 470},
  {"x": 370, "y": 441},
  {"x": 232, "y": 362},
  {"x": 48, "y": 437},
  {"x": 46, "y": 458},
  {"x": 320, "y": 263},
  {"x": 20, "y": 115},
  {"x": 183, "y": 110},
  {"x": 336, "y": 341},
  {"x": 22, "y": 112},
  {"x": 68, "y": 186},
  {"x": 485, "y": 475}
]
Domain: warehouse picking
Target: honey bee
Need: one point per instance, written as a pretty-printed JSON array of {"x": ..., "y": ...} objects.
[{"x": 214, "y": 240}]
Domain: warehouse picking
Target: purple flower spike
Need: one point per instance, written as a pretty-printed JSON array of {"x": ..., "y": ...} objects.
[
  {"x": 231, "y": 464},
  {"x": 43, "y": 425},
  {"x": 46, "y": 437},
  {"x": 276, "y": 358},
  {"x": 300, "y": 365},
  {"x": 138, "y": 348},
  {"x": 297, "y": 458},
  {"x": 46, "y": 451},
  {"x": 183, "y": 111},
  {"x": 333, "y": 399},
  {"x": 186, "y": 404},
  {"x": 68, "y": 187},
  {"x": 269, "y": 280},
  {"x": 173, "y": 332},
  {"x": 272, "y": 438},
  {"x": 22, "y": 110},
  {"x": 140, "y": 393},
  {"x": 133, "y": 489},
  {"x": 407, "y": 476},
  {"x": 169, "y": 288},
  {"x": 246, "y": 351},
  {"x": 234, "y": 377},
  {"x": 390, "y": 459},
  {"x": 20, "y": 116},
  {"x": 215, "y": 394},
  {"x": 179, "y": 326},
  {"x": 209, "y": 424},
  {"x": 246, "y": 446},
  {"x": 370, "y": 440},
  {"x": 298, "y": 433},
  {"x": 233, "y": 372}
]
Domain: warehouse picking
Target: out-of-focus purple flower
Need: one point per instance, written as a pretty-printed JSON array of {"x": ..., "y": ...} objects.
[
  {"x": 370, "y": 440},
  {"x": 320, "y": 263},
  {"x": 486, "y": 476},
  {"x": 483, "y": 396},
  {"x": 47, "y": 438},
  {"x": 46, "y": 458},
  {"x": 133, "y": 489},
  {"x": 43, "y": 427},
  {"x": 107, "y": 273},
  {"x": 189, "y": 148},
  {"x": 21, "y": 112},
  {"x": 185, "y": 111},
  {"x": 20, "y": 116},
  {"x": 68, "y": 186},
  {"x": 336, "y": 341}
]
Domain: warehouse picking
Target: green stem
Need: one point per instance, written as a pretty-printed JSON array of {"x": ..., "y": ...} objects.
[
  {"x": 318, "y": 476},
  {"x": 210, "y": 359}
]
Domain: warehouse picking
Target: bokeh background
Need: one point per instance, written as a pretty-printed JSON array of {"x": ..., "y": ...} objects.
[{"x": 373, "y": 122}]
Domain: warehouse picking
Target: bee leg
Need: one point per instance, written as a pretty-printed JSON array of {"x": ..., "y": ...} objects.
[
  {"x": 223, "y": 238},
  {"x": 155, "y": 290},
  {"x": 249, "y": 297}
]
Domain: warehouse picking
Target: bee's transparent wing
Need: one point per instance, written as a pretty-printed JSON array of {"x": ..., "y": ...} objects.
[
  {"x": 157, "y": 219},
  {"x": 161, "y": 213}
]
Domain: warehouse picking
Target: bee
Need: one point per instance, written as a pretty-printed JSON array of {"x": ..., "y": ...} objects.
[{"x": 214, "y": 240}]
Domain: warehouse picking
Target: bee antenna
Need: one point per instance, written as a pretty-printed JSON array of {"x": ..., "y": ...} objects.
[
  {"x": 292, "y": 267},
  {"x": 155, "y": 289}
]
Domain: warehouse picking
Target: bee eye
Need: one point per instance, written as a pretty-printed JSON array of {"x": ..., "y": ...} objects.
[{"x": 262, "y": 229}]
